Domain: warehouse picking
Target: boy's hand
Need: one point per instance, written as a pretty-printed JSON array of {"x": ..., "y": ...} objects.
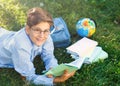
[{"x": 63, "y": 77}]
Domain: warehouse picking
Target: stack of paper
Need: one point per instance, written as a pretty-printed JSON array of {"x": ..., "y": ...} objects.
[
  {"x": 82, "y": 48},
  {"x": 88, "y": 49},
  {"x": 98, "y": 54}
]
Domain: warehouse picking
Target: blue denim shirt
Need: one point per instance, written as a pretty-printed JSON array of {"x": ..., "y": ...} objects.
[{"x": 17, "y": 51}]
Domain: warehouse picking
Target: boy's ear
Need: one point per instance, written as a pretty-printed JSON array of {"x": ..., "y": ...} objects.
[{"x": 27, "y": 29}]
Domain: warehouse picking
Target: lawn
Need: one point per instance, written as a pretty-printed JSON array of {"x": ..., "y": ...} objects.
[{"x": 106, "y": 13}]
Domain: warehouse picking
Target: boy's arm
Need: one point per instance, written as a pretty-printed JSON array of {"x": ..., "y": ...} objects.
[
  {"x": 24, "y": 66},
  {"x": 47, "y": 54}
]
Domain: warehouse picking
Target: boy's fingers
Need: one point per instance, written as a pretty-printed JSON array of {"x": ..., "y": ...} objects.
[
  {"x": 49, "y": 75},
  {"x": 65, "y": 71}
]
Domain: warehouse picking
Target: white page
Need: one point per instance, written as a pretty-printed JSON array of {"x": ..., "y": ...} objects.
[{"x": 77, "y": 63}]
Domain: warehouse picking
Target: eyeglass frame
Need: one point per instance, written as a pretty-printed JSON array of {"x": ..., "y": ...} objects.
[{"x": 38, "y": 31}]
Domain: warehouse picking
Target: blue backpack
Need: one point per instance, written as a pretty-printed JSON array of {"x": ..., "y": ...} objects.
[{"x": 60, "y": 33}]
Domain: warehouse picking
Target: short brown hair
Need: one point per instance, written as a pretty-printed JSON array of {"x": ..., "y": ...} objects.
[{"x": 37, "y": 15}]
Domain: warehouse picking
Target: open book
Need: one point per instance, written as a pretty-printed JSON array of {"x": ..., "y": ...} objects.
[
  {"x": 72, "y": 66},
  {"x": 83, "y": 47}
]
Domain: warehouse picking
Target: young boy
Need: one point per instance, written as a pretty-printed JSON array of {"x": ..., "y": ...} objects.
[{"x": 18, "y": 49}]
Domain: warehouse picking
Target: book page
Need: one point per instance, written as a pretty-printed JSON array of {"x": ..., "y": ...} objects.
[{"x": 77, "y": 63}]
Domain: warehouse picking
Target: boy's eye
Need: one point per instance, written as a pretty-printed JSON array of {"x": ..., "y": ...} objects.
[
  {"x": 36, "y": 30},
  {"x": 46, "y": 31}
]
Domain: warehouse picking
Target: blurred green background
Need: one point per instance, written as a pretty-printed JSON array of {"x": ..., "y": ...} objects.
[{"x": 106, "y": 13}]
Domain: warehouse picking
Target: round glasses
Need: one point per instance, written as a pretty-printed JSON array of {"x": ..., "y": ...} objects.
[{"x": 38, "y": 31}]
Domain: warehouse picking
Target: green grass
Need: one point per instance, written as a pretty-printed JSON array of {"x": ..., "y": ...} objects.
[{"x": 107, "y": 16}]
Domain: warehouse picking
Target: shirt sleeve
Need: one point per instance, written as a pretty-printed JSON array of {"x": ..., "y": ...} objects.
[
  {"x": 22, "y": 62},
  {"x": 48, "y": 54},
  {"x": 23, "y": 65},
  {"x": 43, "y": 80}
]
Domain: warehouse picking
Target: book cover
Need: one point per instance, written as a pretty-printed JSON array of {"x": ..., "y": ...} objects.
[{"x": 59, "y": 70}]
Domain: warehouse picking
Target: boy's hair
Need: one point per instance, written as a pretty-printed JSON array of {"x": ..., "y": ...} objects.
[{"x": 37, "y": 15}]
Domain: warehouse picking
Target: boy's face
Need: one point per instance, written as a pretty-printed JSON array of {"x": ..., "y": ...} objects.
[{"x": 39, "y": 33}]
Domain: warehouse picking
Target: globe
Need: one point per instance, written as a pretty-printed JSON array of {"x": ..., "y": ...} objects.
[{"x": 85, "y": 27}]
